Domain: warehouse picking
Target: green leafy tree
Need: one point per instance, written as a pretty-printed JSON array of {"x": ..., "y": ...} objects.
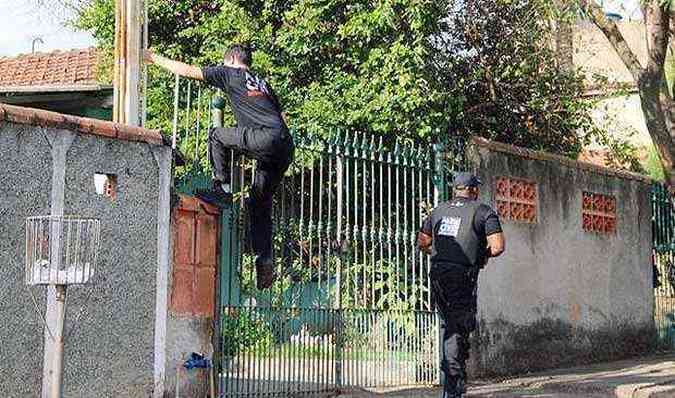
[
  {"x": 502, "y": 62},
  {"x": 356, "y": 65},
  {"x": 408, "y": 68}
]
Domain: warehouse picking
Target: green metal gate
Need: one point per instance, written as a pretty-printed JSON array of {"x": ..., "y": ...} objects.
[
  {"x": 663, "y": 232},
  {"x": 352, "y": 305}
]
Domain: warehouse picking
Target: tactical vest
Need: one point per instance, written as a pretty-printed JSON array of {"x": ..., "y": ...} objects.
[{"x": 455, "y": 239}]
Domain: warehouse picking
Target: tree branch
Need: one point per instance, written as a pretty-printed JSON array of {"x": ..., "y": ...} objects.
[{"x": 614, "y": 36}]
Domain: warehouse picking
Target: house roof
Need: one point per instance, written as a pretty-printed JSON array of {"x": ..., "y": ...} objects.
[
  {"x": 38, "y": 117},
  {"x": 73, "y": 70}
]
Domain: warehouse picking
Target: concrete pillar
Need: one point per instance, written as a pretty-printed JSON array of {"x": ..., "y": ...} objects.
[{"x": 162, "y": 156}]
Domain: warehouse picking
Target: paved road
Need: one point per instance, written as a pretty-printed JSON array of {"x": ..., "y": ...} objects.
[{"x": 652, "y": 377}]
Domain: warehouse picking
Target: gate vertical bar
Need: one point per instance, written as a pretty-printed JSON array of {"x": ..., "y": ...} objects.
[
  {"x": 187, "y": 116},
  {"x": 339, "y": 163},
  {"x": 440, "y": 194}
]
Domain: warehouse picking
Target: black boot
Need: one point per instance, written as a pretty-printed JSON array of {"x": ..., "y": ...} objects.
[{"x": 454, "y": 388}]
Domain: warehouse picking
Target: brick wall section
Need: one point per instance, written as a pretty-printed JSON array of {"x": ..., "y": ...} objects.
[
  {"x": 192, "y": 292},
  {"x": 42, "y": 118}
]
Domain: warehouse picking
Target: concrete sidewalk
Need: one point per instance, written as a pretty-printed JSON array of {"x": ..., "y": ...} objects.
[{"x": 652, "y": 377}]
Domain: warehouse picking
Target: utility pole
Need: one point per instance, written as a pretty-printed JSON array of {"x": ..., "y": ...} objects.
[{"x": 127, "y": 77}]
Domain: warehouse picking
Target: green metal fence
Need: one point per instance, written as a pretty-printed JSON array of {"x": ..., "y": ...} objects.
[
  {"x": 352, "y": 305},
  {"x": 663, "y": 232}
]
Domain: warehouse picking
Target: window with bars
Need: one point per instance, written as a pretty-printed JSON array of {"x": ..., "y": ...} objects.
[
  {"x": 516, "y": 199},
  {"x": 598, "y": 213}
]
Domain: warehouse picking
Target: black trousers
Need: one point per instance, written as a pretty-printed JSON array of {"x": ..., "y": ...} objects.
[
  {"x": 453, "y": 290},
  {"x": 274, "y": 151}
]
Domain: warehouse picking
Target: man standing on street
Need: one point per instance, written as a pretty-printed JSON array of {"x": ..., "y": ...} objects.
[
  {"x": 460, "y": 235},
  {"x": 261, "y": 134}
]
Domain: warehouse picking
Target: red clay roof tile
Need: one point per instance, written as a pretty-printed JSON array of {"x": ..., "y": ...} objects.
[{"x": 57, "y": 68}]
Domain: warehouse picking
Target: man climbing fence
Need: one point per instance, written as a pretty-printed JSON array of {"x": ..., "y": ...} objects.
[{"x": 261, "y": 134}]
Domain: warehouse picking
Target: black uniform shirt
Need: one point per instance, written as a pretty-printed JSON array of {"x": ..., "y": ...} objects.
[
  {"x": 253, "y": 101},
  {"x": 485, "y": 223}
]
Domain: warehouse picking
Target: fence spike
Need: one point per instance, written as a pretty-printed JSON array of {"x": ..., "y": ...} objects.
[
  {"x": 338, "y": 142},
  {"x": 407, "y": 152},
  {"x": 332, "y": 139},
  {"x": 420, "y": 155},
  {"x": 348, "y": 143},
  {"x": 364, "y": 146},
  {"x": 356, "y": 145}
]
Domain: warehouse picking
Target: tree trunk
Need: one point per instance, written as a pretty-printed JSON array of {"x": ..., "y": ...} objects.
[
  {"x": 656, "y": 102},
  {"x": 656, "y": 114}
]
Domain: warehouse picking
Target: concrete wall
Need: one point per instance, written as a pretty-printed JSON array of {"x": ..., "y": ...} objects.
[
  {"x": 559, "y": 295},
  {"x": 114, "y": 347},
  {"x": 25, "y": 181},
  {"x": 185, "y": 335}
]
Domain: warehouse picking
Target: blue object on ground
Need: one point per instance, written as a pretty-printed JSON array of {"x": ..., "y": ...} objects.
[{"x": 197, "y": 361}]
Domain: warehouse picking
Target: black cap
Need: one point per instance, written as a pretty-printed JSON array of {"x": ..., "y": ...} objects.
[{"x": 466, "y": 180}]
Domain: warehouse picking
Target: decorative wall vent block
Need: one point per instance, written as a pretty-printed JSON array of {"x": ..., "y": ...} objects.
[
  {"x": 598, "y": 213},
  {"x": 516, "y": 199}
]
